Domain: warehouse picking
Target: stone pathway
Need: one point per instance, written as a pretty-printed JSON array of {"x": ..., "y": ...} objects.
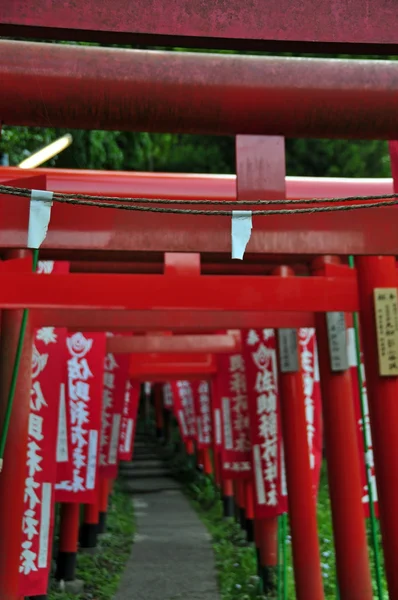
[{"x": 172, "y": 558}]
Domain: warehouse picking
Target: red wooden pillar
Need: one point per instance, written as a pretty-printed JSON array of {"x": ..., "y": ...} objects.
[
  {"x": 344, "y": 470},
  {"x": 228, "y": 498},
  {"x": 381, "y": 272},
  {"x": 103, "y": 504},
  {"x": 207, "y": 465},
  {"x": 13, "y": 475},
  {"x": 302, "y": 508},
  {"x": 68, "y": 541},
  {"x": 260, "y": 173}
]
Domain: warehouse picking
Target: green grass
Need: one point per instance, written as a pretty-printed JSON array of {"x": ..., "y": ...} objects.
[
  {"x": 235, "y": 560},
  {"x": 101, "y": 573}
]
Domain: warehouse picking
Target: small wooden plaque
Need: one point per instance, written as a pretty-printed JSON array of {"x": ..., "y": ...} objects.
[{"x": 386, "y": 315}]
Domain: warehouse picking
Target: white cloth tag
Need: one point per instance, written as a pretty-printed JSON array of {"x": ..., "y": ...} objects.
[
  {"x": 240, "y": 232},
  {"x": 39, "y": 217}
]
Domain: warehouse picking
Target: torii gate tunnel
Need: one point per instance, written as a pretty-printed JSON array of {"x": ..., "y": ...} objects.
[{"x": 163, "y": 285}]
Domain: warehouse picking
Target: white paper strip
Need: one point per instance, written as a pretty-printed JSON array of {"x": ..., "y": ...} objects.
[
  {"x": 240, "y": 232},
  {"x": 259, "y": 477},
  {"x": 39, "y": 217},
  {"x": 92, "y": 459},
  {"x": 45, "y": 525}
]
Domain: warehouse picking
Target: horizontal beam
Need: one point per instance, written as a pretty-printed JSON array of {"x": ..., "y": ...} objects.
[
  {"x": 198, "y": 344},
  {"x": 270, "y": 24},
  {"x": 181, "y": 292},
  {"x": 85, "y": 87},
  {"x": 158, "y": 367},
  {"x": 177, "y": 321},
  {"x": 190, "y": 186},
  {"x": 368, "y": 231}
]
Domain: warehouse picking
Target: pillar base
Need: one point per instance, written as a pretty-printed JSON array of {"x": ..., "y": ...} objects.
[
  {"x": 228, "y": 507},
  {"x": 159, "y": 433},
  {"x": 74, "y": 587},
  {"x": 102, "y": 523},
  {"x": 259, "y": 567},
  {"x": 41, "y": 597},
  {"x": 66, "y": 566},
  {"x": 250, "y": 530},
  {"x": 88, "y": 536}
]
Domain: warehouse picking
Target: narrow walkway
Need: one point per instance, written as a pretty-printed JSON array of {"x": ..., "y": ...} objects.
[{"x": 172, "y": 558}]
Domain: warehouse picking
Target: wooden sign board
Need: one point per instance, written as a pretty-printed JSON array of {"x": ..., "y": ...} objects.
[{"x": 386, "y": 314}]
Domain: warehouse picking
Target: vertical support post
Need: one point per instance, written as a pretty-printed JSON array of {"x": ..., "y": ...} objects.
[
  {"x": 302, "y": 508},
  {"x": 68, "y": 541},
  {"x": 207, "y": 466},
  {"x": 228, "y": 498},
  {"x": 344, "y": 474},
  {"x": 261, "y": 173},
  {"x": 13, "y": 474},
  {"x": 89, "y": 527},
  {"x": 249, "y": 503},
  {"x": 159, "y": 411},
  {"x": 381, "y": 272},
  {"x": 103, "y": 504}
]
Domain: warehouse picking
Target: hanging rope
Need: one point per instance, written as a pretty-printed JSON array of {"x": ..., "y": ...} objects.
[{"x": 342, "y": 204}]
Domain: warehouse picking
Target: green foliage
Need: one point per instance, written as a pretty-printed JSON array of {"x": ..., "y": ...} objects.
[
  {"x": 235, "y": 559},
  {"x": 101, "y": 572}
]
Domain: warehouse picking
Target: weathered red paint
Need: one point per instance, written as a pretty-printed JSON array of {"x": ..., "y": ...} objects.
[
  {"x": 276, "y": 24},
  {"x": 85, "y": 87}
]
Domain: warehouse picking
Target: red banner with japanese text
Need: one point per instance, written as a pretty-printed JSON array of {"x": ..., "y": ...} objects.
[
  {"x": 168, "y": 400},
  {"x": 217, "y": 427},
  {"x": 184, "y": 409},
  {"x": 201, "y": 392},
  {"x": 312, "y": 399},
  {"x": 265, "y": 424},
  {"x": 48, "y": 362},
  {"x": 85, "y": 364},
  {"x": 232, "y": 388},
  {"x": 366, "y": 459},
  {"x": 116, "y": 374},
  {"x": 129, "y": 420}
]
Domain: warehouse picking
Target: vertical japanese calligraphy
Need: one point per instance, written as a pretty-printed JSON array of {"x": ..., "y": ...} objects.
[
  {"x": 129, "y": 420},
  {"x": 184, "y": 408},
  {"x": 85, "y": 365},
  {"x": 232, "y": 388},
  {"x": 168, "y": 396},
  {"x": 265, "y": 430},
  {"x": 201, "y": 392},
  {"x": 367, "y": 460},
  {"x": 312, "y": 399},
  {"x": 386, "y": 309},
  {"x": 48, "y": 369},
  {"x": 116, "y": 373},
  {"x": 47, "y": 376}
]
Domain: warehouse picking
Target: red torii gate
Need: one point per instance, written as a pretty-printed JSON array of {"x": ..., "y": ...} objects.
[{"x": 274, "y": 235}]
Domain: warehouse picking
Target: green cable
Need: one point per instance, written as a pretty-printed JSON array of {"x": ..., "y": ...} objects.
[
  {"x": 15, "y": 371},
  {"x": 373, "y": 521},
  {"x": 284, "y": 554},
  {"x": 279, "y": 579}
]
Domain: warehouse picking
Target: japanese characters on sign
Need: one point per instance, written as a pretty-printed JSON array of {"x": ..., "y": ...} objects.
[
  {"x": 201, "y": 391},
  {"x": 168, "y": 396},
  {"x": 366, "y": 459},
  {"x": 129, "y": 420},
  {"x": 337, "y": 339},
  {"x": 184, "y": 409},
  {"x": 312, "y": 399},
  {"x": 386, "y": 309},
  {"x": 116, "y": 373},
  {"x": 48, "y": 360},
  {"x": 85, "y": 387},
  {"x": 288, "y": 352},
  {"x": 232, "y": 387},
  {"x": 260, "y": 354}
]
